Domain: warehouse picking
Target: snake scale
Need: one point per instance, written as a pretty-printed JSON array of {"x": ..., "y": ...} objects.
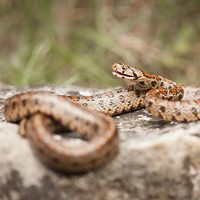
[{"x": 39, "y": 114}]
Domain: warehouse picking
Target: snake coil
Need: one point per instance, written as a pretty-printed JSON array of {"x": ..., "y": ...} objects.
[{"x": 39, "y": 114}]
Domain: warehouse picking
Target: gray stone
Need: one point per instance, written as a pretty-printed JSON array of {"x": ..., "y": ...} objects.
[{"x": 157, "y": 160}]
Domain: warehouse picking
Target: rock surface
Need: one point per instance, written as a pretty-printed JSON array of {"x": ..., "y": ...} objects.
[{"x": 157, "y": 160}]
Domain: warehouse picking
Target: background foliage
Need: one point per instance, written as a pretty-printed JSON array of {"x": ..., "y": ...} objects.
[{"x": 76, "y": 42}]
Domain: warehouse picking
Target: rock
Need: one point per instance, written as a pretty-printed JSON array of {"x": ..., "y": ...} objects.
[{"x": 157, "y": 160}]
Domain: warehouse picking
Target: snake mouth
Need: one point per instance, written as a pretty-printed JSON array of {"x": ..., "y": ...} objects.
[{"x": 124, "y": 76}]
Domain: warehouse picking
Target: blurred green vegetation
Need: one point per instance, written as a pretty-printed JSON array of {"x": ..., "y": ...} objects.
[{"x": 76, "y": 42}]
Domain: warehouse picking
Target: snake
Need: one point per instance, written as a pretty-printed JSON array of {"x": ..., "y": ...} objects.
[{"x": 42, "y": 114}]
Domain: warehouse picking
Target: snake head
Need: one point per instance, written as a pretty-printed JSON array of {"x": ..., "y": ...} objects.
[
  {"x": 126, "y": 72},
  {"x": 140, "y": 79}
]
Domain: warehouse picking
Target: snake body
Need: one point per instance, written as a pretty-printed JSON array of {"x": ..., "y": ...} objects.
[
  {"x": 162, "y": 97},
  {"x": 99, "y": 129}
]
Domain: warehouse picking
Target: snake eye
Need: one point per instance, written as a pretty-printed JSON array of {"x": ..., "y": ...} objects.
[{"x": 123, "y": 67}]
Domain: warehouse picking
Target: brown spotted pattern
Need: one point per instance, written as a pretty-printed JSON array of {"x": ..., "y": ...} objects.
[
  {"x": 99, "y": 129},
  {"x": 164, "y": 98},
  {"x": 114, "y": 102}
]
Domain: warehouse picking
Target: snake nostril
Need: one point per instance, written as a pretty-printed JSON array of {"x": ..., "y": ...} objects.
[{"x": 114, "y": 66}]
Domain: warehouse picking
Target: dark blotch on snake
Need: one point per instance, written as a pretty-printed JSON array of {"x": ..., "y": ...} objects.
[
  {"x": 139, "y": 105},
  {"x": 194, "y": 112},
  {"x": 95, "y": 126},
  {"x": 24, "y": 102},
  {"x": 150, "y": 104},
  {"x": 180, "y": 96},
  {"x": 119, "y": 90},
  {"x": 141, "y": 82},
  {"x": 18, "y": 117},
  {"x": 28, "y": 114},
  {"x": 177, "y": 111},
  {"x": 101, "y": 102},
  {"x": 137, "y": 92},
  {"x": 130, "y": 88},
  {"x": 173, "y": 118},
  {"x": 135, "y": 76},
  {"x": 162, "y": 108},
  {"x": 159, "y": 115},
  {"x": 124, "y": 110},
  {"x": 129, "y": 103},
  {"x": 185, "y": 120},
  {"x": 85, "y": 105},
  {"x": 111, "y": 103},
  {"x": 153, "y": 83},
  {"x": 121, "y": 98},
  {"x": 13, "y": 105}
]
